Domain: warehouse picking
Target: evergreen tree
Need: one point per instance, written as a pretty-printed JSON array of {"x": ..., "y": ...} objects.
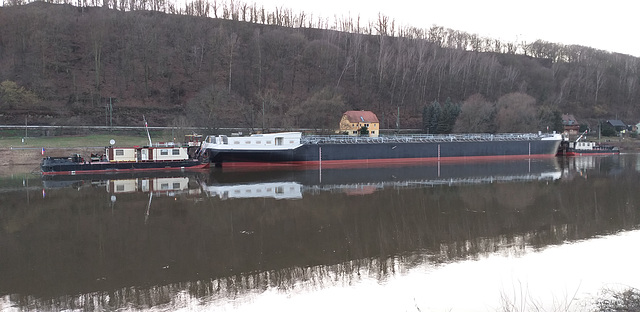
[
  {"x": 607, "y": 129},
  {"x": 448, "y": 117},
  {"x": 431, "y": 117}
]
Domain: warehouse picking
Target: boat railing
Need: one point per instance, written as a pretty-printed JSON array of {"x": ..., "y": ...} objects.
[{"x": 420, "y": 138}]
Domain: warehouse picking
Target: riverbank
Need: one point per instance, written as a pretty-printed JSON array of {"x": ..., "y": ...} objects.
[
  {"x": 15, "y": 152},
  {"x": 27, "y": 159}
]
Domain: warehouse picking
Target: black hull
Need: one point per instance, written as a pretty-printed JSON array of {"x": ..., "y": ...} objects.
[
  {"x": 386, "y": 152},
  {"x": 56, "y": 166}
]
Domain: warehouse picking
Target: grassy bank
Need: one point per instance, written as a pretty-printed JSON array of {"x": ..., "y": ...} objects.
[
  {"x": 16, "y": 152},
  {"x": 98, "y": 140}
]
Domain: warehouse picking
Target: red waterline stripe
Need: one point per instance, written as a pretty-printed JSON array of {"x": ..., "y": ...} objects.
[
  {"x": 366, "y": 162},
  {"x": 198, "y": 167},
  {"x": 590, "y": 154}
]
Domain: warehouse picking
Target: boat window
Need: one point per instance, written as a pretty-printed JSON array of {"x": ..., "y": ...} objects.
[
  {"x": 164, "y": 152},
  {"x": 120, "y": 187},
  {"x": 224, "y": 138},
  {"x": 279, "y": 141},
  {"x": 175, "y": 152},
  {"x": 119, "y": 152},
  {"x": 176, "y": 185}
]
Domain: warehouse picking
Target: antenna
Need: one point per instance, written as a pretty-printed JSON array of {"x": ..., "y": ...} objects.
[{"x": 147, "y": 128}]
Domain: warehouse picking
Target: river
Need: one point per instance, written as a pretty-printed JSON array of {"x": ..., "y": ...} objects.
[{"x": 545, "y": 234}]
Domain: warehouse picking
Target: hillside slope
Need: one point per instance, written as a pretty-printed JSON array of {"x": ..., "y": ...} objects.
[{"x": 188, "y": 70}]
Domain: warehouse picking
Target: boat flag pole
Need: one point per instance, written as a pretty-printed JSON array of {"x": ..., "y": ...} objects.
[{"x": 147, "y": 128}]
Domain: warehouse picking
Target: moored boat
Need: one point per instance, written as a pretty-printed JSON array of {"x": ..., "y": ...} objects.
[
  {"x": 125, "y": 159},
  {"x": 578, "y": 148},
  {"x": 292, "y": 148},
  {"x": 568, "y": 148}
]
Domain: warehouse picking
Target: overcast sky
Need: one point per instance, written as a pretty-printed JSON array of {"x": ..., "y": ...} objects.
[{"x": 606, "y": 25}]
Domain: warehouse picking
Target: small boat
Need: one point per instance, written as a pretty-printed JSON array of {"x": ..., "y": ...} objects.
[
  {"x": 125, "y": 159},
  {"x": 577, "y": 148},
  {"x": 158, "y": 157}
]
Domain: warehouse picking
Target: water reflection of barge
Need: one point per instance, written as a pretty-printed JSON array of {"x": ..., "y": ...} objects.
[
  {"x": 292, "y": 184},
  {"x": 358, "y": 181}
]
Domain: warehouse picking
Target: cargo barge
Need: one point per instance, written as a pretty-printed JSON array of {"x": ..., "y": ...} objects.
[{"x": 294, "y": 149}]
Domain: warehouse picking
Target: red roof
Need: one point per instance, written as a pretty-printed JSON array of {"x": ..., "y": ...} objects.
[{"x": 361, "y": 116}]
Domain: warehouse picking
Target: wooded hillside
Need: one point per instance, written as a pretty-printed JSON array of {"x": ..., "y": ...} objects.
[{"x": 62, "y": 64}]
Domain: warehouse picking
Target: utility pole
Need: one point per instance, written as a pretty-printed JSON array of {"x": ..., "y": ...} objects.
[
  {"x": 110, "y": 115},
  {"x": 398, "y": 121}
]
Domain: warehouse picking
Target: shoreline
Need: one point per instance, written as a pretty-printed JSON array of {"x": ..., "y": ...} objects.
[{"x": 14, "y": 160}]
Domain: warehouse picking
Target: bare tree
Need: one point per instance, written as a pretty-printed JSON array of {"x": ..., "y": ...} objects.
[
  {"x": 477, "y": 116},
  {"x": 516, "y": 113}
]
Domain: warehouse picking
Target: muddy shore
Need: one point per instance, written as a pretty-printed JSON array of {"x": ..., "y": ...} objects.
[{"x": 20, "y": 160}]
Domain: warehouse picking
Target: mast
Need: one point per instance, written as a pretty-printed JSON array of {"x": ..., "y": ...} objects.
[{"x": 147, "y": 128}]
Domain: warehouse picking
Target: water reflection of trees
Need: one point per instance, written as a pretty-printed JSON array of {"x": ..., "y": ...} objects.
[{"x": 74, "y": 250}]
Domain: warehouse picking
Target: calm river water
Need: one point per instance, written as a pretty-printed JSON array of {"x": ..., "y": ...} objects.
[{"x": 519, "y": 235}]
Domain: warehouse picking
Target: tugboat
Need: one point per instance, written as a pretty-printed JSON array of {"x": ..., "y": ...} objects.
[
  {"x": 577, "y": 148},
  {"x": 158, "y": 157}
]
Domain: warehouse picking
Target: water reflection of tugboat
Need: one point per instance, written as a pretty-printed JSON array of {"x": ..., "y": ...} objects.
[{"x": 158, "y": 183}]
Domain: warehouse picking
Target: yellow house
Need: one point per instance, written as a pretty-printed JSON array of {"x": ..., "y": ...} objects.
[{"x": 353, "y": 121}]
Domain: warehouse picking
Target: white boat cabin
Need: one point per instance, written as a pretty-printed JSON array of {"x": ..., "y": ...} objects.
[
  {"x": 155, "y": 153},
  {"x": 584, "y": 146},
  {"x": 282, "y": 140}
]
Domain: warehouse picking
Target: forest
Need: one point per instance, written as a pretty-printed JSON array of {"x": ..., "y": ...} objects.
[{"x": 232, "y": 64}]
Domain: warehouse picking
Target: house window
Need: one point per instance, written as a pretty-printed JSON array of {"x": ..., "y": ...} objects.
[
  {"x": 355, "y": 132},
  {"x": 119, "y": 152},
  {"x": 373, "y": 132},
  {"x": 175, "y": 152},
  {"x": 164, "y": 152}
]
